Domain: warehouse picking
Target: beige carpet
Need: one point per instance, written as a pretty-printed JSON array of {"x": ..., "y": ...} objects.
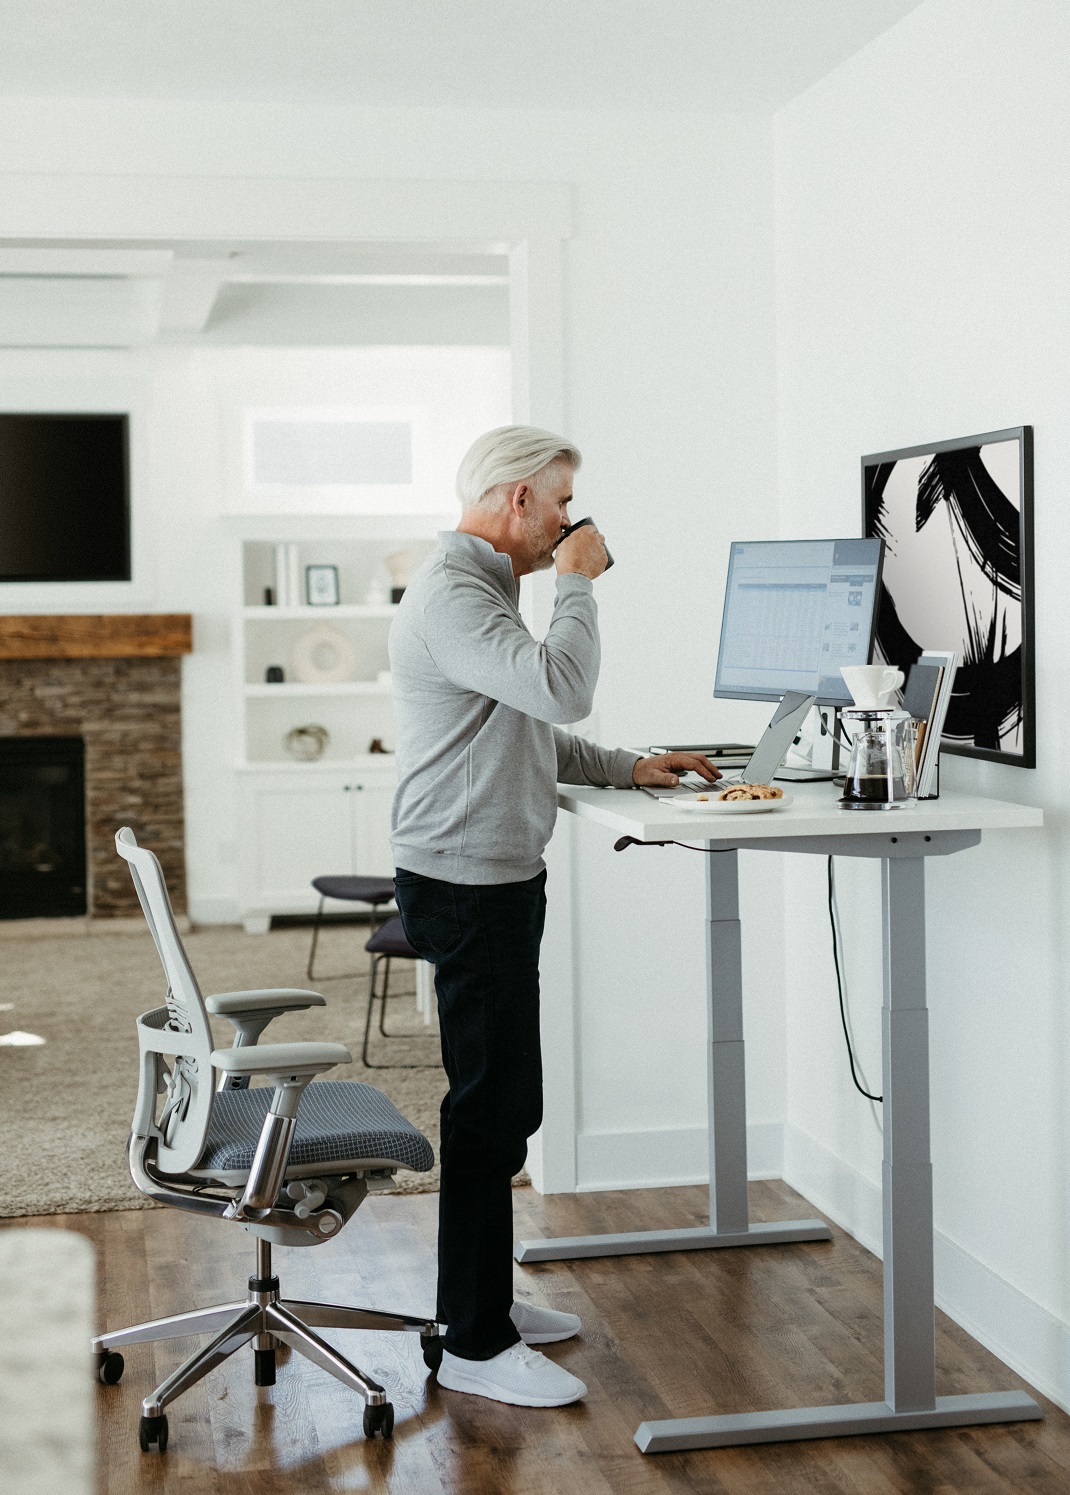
[{"x": 65, "y": 1106}]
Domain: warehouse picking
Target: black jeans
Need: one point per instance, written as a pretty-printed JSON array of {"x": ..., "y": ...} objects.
[{"x": 484, "y": 943}]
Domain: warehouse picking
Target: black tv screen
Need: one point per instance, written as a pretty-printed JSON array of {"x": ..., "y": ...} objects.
[{"x": 64, "y": 498}]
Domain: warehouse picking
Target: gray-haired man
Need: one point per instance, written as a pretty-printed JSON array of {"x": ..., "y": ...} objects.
[{"x": 479, "y": 755}]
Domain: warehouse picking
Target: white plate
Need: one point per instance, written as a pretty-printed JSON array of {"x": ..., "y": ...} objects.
[{"x": 731, "y": 806}]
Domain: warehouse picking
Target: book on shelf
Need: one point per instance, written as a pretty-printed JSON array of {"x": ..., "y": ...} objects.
[
  {"x": 287, "y": 575},
  {"x": 927, "y": 697}
]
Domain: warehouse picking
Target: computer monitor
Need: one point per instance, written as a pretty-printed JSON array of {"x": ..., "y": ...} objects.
[{"x": 794, "y": 612}]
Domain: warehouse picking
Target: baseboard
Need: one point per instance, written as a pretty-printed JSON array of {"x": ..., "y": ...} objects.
[
  {"x": 78, "y": 926},
  {"x": 668, "y": 1158},
  {"x": 1027, "y": 1337}
]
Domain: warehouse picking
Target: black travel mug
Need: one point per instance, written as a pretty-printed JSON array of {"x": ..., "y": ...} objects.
[{"x": 579, "y": 525}]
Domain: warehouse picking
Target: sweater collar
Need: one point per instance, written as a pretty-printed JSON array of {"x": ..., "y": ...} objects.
[{"x": 484, "y": 558}]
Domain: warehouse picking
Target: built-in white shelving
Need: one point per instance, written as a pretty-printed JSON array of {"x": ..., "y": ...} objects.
[{"x": 300, "y": 820}]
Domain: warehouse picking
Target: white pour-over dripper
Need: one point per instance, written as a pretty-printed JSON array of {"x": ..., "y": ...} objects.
[{"x": 872, "y": 686}]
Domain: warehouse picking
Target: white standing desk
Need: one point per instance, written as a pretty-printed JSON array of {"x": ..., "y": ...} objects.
[{"x": 901, "y": 839}]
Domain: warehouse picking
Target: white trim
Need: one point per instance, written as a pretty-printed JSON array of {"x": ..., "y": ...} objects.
[{"x": 1025, "y": 1335}]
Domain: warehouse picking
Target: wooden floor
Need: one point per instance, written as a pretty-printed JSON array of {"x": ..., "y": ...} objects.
[{"x": 667, "y": 1335}]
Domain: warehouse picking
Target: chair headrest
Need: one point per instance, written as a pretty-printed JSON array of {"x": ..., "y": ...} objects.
[{"x": 124, "y": 837}]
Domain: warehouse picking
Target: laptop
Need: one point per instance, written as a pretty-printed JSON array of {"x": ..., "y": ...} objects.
[{"x": 765, "y": 759}]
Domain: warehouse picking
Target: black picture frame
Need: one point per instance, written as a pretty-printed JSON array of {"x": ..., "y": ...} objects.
[
  {"x": 321, "y": 586},
  {"x": 975, "y": 581}
]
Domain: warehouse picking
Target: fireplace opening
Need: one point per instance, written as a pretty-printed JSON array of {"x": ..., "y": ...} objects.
[{"x": 42, "y": 827}]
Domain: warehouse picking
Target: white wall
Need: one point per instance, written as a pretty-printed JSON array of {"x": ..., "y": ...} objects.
[
  {"x": 922, "y": 245},
  {"x": 668, "y": 351}
]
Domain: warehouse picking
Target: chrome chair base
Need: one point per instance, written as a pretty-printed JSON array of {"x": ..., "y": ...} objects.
[{"x": 270, "y": 1320}]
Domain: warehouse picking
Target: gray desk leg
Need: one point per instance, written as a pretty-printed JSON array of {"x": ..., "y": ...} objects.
[
  {"x": 726, "y": 1080},
  {"x": 910, "y": 1403}
]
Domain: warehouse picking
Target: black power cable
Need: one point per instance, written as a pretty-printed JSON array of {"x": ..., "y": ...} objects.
[
  {"x": 839, "y": 986},
  {"x": 709, "y": 851}
]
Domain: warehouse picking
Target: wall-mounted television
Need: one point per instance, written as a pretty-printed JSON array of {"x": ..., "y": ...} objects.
[{"x": 64, "y": 497}]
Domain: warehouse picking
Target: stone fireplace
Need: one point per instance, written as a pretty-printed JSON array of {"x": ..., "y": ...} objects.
[{"x": 115, "y": 683}]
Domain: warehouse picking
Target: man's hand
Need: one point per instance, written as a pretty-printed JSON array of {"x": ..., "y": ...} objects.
[
  {"x": 584, "y": 552},
  {"x": 666, "y": 768}
]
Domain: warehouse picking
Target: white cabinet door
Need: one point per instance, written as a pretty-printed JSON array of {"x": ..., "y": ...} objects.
[
  {"x": 292, "y": 831},
  {"x": 372, "y": 798}
]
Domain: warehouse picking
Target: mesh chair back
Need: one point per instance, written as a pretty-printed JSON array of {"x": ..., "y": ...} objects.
[{"x": 179, "y": 1032}]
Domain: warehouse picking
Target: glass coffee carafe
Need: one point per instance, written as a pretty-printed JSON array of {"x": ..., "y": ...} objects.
[{"x": 880, "y": 767}]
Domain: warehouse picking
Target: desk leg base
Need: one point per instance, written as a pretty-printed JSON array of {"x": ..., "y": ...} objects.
[
  {"x": 692, "y": 1238},
  {"x": 680, "y": 1433}
]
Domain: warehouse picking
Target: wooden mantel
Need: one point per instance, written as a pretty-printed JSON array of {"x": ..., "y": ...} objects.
[{"x": 95, "y": 635}]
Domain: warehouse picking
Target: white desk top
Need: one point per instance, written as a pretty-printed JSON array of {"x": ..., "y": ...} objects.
[{"x": 813, "y": 812}]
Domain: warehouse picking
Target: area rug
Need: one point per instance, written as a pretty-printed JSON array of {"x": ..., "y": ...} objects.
[{"x": 66, "y": 1105}]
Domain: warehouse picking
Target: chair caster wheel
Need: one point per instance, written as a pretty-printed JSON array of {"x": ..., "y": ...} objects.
[
  {"x": 110, "y": 1367},
  {"x": 153, "y": 1430},
  {"x": 431, "y": 1344},
  {"x": 379, "y": 1420}
]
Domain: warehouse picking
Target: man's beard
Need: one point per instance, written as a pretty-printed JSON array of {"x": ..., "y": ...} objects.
[{"x": 541, "y": 557}]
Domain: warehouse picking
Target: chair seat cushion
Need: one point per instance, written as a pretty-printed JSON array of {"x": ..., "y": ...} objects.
[
  {"x": 390, "y": 940},
  {"x": 338, "y": 1120},
  {"x": 357, "y": 889}
]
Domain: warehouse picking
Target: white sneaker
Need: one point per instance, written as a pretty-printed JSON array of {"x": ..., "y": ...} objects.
[
  {"x": 519, "y": 1375},
  {"x": 543, "y": 1325}
]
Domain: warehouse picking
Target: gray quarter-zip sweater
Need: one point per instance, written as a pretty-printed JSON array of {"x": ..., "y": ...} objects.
[{"x": 477, "y": 702}]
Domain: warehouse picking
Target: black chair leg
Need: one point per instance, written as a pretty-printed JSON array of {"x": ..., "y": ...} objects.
[
  {"x": 382, "y": 996},
  {"x": 368, "y": 1019},
  {"x": 315, "y": 938},
  {"x": 377, "y": 920}
]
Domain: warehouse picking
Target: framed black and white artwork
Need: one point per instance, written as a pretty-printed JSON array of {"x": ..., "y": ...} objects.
[{"x": 957, "y": 521}]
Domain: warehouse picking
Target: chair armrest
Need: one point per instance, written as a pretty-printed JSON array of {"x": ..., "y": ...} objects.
[
  {"x": 281, "y": 1059},
  {"x": 288, "y": 999},
  {"x": 290, "y": 1066},
  {"x": 249, "y": 1012}
]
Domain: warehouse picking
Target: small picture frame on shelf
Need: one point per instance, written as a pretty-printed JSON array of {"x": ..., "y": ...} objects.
[{"x": 321, "y": 586}]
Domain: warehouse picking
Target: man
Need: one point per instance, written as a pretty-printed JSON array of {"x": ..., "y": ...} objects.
[{"x": 479, "y": 755}]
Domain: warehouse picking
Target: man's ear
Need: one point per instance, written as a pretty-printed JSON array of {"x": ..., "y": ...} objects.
[{"x": 519, "y": 500}]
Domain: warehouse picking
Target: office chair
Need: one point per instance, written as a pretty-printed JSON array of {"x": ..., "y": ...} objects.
[
  {"x": 386, "y": 944},
  {"x": 371, "y": 890},
  {"x": 290, "y": 1162}
]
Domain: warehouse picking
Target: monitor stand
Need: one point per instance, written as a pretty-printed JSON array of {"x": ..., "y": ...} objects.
[
  {"x": 825, "y": 752},
  {"x": 806, "y": 775}
]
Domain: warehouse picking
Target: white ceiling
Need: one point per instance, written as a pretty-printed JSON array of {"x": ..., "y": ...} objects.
[
  {"x": 721, "y": 55},
  {"x": 708, "y": 55}
]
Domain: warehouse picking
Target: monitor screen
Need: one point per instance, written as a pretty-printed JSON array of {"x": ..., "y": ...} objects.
[
  {"x": 64, "y": 498},
  {"x": 794, "y": 612}
]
